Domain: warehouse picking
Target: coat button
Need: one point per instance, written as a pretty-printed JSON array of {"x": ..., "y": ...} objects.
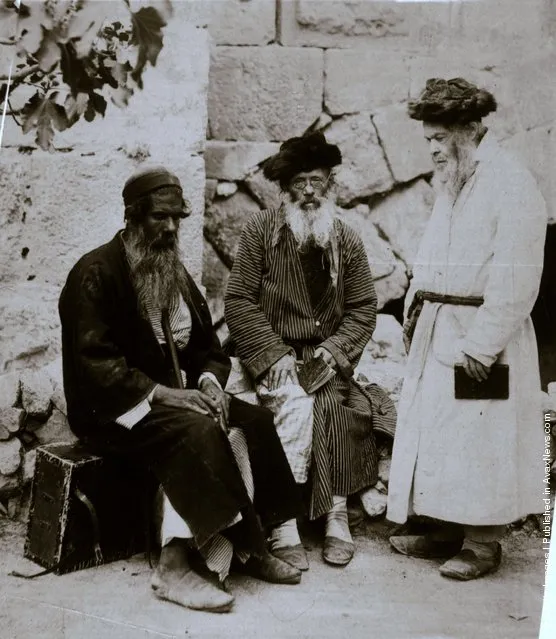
[{"x": 317, "y": 323}]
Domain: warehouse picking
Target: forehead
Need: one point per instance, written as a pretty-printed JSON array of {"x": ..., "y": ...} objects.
[
  {"x": 166, "y": 201},
  {"x": 433, "y": 130},
  {"x": 314, "y": 173}
]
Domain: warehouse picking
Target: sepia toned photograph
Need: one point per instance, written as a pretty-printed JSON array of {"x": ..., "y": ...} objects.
[{"x": 277, "y": 319}]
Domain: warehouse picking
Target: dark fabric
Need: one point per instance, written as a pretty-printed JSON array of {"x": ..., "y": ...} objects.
[
  {"x": 191, "y": 457},
  {"x": 111, "y": 357},
  {"x": 146, "y": 180},
  {"x": 416, "y": 307},
  {"x": 299, "y": 154},
  {"x": 316, "y": 270}
]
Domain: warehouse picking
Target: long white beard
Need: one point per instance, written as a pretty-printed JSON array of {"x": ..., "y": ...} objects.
[
  {"x": 311, "y": 225},
  {"x": 450, "y": 181}
]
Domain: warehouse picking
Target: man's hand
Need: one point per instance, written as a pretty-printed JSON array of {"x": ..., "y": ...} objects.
[
  {"x": 326, "y": 356},
  {"x": 193, "y": 400},
  {"x": 279, "y": 372},
  {"x": 220, "y": 398},
  {"x": 475, "y": 369}
]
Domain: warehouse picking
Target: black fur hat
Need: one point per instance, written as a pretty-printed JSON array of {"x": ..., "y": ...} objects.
[
  {"x": 454, "y": 101},
  {"x": 298, "y": 155}
]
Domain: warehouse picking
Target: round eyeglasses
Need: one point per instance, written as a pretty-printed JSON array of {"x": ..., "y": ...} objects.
[{"x": 316, "y": 183}]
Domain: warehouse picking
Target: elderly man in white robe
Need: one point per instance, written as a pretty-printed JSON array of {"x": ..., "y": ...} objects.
[{"x": 473, "y": 464}]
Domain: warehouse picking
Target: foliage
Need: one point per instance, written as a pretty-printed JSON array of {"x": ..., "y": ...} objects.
[{"x": 69, "y": 57}]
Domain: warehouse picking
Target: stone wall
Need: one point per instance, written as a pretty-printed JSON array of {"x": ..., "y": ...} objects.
[{"x": 348, "y": 69}]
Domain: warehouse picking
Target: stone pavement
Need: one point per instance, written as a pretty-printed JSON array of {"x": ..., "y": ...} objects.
[{"x": 379, "y": 595}]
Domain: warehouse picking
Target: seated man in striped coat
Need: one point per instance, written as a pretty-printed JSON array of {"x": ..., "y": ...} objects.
[
  {"x": 144, "y": 376},
  {"x": 301, "y": 288}
]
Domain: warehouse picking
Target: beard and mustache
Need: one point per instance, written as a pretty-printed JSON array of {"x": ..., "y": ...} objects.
[
  {"x": 157, "y": 273},
  {"x": 456, "y": 168},
  {"x": 311, "y": 226}
]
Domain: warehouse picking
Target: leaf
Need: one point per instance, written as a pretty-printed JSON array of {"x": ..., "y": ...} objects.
[
  {"x": 75, "y": 107},
  {"x": 98, "y": 103},
  {"x": 48, "y": 54},
  {"x": 121, "y": 96},
  {"x": 43, "y": 114},
  {"x": 74, "y": 73},
  {"x": 147, "y": 24}
]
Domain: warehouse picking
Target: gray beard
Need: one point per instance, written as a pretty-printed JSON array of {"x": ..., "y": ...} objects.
[
  {"x": 459, "y": 169},
  {"x": 157, "y": 274},
  {"x": 313, "y": 226}
]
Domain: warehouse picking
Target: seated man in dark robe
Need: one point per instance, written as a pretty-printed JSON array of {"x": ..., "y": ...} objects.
[{"x": 144, "y": 376}]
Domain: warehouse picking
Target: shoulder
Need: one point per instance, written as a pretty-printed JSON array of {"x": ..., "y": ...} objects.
[
  {"x": 260, "y": 226},
  {"x": 96, "y": 266},
  {"x": 349, "y": 237}
]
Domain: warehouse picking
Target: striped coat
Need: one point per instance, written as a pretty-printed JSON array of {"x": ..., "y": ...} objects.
[{"x": 268, "y": 307}]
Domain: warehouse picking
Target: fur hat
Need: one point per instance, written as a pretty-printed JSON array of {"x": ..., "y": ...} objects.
[
  {"x": 454, "y": 101},
  {"x": 298, "y": 155}
]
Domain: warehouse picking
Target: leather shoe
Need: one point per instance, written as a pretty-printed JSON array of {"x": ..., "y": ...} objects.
[
  {"x": 467, "y": 565},
  {"x": 293, "y": 555},
  {"x": 425, "y": 547},
  {"x": 337, "y": 552},
  {"x": 271, "y": 569},
  {"x": 191, "y": 591}
]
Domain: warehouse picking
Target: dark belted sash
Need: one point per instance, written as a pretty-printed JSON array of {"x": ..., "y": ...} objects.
[{"x": 429, "y": 296}]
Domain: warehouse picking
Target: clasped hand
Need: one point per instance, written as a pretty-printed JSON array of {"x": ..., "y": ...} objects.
[
  {"x": 475, "y": 369},
  {"x": 285, "y": 368}
]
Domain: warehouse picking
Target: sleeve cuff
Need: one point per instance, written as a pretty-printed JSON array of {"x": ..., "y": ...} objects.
[
  {"x": 343, "y": 362},
  {"x": 211, "y": 376},
  {"x": 260, "y": 364},
  {"x": 136, "y": 414},
  {"x": 486, "y": 360}
]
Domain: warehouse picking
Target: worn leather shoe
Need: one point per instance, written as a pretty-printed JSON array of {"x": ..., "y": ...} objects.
[
  {"x": 425, "y": 546},
  {"x": 337, "y": 552},
  {"x": 293, "y": 555},
  {"x": 191, "y": 591},
  {"x": 466, "y": 565},
  {"x": 272, "y": 569}
]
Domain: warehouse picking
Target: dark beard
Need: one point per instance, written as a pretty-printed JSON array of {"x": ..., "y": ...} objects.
[{"x": 157, "y": 274}]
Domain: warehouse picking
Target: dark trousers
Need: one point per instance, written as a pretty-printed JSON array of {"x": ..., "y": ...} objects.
[{"x": 191, "y": 457}]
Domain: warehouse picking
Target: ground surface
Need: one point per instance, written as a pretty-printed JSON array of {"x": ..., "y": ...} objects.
[{"x": 379, "y": 595}]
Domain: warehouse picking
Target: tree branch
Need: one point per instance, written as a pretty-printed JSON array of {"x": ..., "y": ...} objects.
[
  {"x": 7, "y": 41},
  {"x": 20, "y": 75}
]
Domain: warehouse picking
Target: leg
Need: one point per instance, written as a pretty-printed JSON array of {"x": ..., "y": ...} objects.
[{"x": 293, "y": 419}]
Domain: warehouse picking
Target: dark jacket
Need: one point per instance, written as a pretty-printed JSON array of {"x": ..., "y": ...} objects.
[{"x": 111, "y": 358}]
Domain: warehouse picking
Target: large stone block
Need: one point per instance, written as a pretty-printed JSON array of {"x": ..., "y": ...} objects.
[
  {"x": 504, "y": 27},
  {"x": 378, "y": 25},
  {"x": 264, "y": 93},
  {"x": 403, "y": 142},
  {"x": 240, "y": 21},
  {"x": 10, "y": 389},
  {"x": 402, "y": 216},
  {"x": 362, "y": 80},
  {"x": 215, "y": 280},
  {"x": 234, "y": 160},
  {"x": 388, "y": 271},
  {"x": 363, "y": 171},
  {"x": 36, "y": 393},
  {"x": 10, "y": 456},
  {"x": 224, "y": 222},
  {"x": 11, "y": 419},
  {"x": 56, "y": 429},
  {"x": 533, "y": 87},
  {"x": 537, "y": 150},
  {"x": 266, "y": 192}
]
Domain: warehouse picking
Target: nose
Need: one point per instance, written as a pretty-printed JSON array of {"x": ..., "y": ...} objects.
[
  {"x": 308, "y": 189},
  {"x": 171, "y": 226},
  {"x": 434, "y": 148}
]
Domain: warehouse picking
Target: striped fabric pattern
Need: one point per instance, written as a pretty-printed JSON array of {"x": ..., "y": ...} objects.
[{"x": 268, "y": 307}]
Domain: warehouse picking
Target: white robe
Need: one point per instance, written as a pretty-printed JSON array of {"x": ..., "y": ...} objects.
[{"x": 475, "y": 462}]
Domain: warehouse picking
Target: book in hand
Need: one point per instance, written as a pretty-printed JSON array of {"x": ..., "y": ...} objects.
[
  {"x": 314, "y": 374},
  {"x": 495, "y": 386}
]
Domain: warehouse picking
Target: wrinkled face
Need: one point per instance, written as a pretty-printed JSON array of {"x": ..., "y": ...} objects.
[
  {"x": 442, "y": 145},
  {"x": 162, "y": 222},
  {"x": 308, "y": 189}
]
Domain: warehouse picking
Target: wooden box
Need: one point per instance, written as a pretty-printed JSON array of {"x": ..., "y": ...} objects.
[{"x": 86, "y": 510}]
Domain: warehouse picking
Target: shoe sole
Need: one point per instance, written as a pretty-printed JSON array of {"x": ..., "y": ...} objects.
[
  {"x": 460, "y": 577},
  {"x": 448, "y": 554},
  {"x": 217, "y": 609}
]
